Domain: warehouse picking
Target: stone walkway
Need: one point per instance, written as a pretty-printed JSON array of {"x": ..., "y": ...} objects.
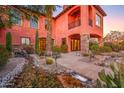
[
  {"x": 79, "y": 64},
  {"x": 11, "y": 69}
]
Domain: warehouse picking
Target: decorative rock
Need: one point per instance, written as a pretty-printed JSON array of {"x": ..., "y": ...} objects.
[{"x": 4, "y": 81}]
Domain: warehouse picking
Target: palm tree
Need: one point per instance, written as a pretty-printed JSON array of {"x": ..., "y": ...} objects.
[
  {"x": 26, "y": 11},
  {"x": 48, "y": 10}
]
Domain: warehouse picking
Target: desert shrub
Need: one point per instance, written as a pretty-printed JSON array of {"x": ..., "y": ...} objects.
[
  {"x": 95, "y": 48},
  {"x": 4, "y": 55},
  {"x": 29, "y": 49},
  {"x": 32, "y": 77},
  {"x": 49, "y": 81},
  {"x": 105, "y": 49},
  {"x": 41, "y": 52},
  {"x": 49, "y": 61},
  {"x": 56, "y": 49},
  {"x": 115, "y": 80},
  {"x": 8, "y": 41},
  {"x": 72, "y": 82},
  {"x": 92, "y": 43},
  {"x": 121, "y": 44},
  {"x": 114, "y": 47},
  {"x": 64, "y": 48}
]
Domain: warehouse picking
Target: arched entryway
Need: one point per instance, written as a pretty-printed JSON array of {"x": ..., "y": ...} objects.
[{"x": 75, "y": 42}]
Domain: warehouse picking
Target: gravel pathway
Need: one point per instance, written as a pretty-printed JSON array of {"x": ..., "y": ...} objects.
[{"x": 11, "y": 69}]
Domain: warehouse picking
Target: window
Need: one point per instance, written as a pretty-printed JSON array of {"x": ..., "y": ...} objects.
[
  {"x": 16, "y": 17},
  {"x": 46, "y": 23},
  {"x": 34, "y": 22},
  {"x": 98, "y": 20},
  {"x": 25, "y": 41}
]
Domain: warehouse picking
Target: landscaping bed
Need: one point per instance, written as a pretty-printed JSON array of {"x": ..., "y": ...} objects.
[
  {"x": 32, "y": 77},
  {"x": 69, "y": 82}
]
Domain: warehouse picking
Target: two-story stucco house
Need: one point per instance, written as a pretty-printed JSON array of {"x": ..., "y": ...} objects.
[{"x": 75, "y": 25}]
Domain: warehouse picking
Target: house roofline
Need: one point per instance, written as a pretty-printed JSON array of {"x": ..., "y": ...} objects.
[
  {"x": 100, "y": 10},
  {"x": 96, "y": 6}
]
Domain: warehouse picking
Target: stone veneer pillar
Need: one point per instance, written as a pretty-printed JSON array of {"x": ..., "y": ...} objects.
[{"x": 85, "y": 43}]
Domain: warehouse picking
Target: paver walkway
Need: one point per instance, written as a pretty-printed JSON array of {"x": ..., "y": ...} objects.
[{"x": 76, "y": 63}]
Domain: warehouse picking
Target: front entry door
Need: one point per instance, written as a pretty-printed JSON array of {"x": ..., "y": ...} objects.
[
  {"x": 75, "y": 44},
  {"x": 42, "y": 43}
]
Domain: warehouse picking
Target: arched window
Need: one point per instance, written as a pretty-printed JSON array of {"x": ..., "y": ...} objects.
[
  {"x": 16, "y": 17},
  {"x": 34, "y": 22}
]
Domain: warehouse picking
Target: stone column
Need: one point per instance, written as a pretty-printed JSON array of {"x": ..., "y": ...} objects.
[
  {"x": 85, "y": 43},
  {"x": 68, "y": 43}
]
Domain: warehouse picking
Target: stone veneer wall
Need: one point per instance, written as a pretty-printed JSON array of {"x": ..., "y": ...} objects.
[{"x": 85, "y": 43}]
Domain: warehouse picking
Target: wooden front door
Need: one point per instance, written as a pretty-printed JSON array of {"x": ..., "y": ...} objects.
[
  {"x": 75, "y": 44},
  {"x": 42, "y": 43}
]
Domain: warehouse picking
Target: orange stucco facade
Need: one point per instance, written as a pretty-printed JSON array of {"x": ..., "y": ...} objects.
[{"x": 70, "y": 24}]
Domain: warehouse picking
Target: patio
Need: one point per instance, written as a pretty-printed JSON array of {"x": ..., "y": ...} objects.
[{"x": 80, "y": 65}]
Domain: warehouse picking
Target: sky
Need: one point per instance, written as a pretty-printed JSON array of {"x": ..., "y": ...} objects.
[{"x": 114, "y": 19}]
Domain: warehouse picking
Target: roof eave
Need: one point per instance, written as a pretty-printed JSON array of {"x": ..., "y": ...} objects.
[{"x": 100, "y": 10}]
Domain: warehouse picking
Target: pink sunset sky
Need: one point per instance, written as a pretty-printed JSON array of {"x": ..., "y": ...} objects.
[{"x": 114, "y": 19}]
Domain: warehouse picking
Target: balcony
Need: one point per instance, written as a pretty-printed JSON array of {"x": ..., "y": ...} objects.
[{"x": 74, "y": 24}]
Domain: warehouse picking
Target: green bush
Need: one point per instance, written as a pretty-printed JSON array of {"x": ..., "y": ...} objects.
[
  {"x": 49, "y": 61},
  {"x": 114, "y": 47},
  {"x": 92, "y": 43},
  {"x": 121, "y": 44},
  {"x": 95, "y": 48},
  {"x": 29, "y": 49},
  {"x": 64, "y": 48},
  {"x": 8, "y": 41},
  {"x": 113, "y": 80},
  {"x": 56, "y": 49},
  {"x": 4, "y": 55},
  {"x": 36, "y": 42},
  {"x": 105, "y": 49}
]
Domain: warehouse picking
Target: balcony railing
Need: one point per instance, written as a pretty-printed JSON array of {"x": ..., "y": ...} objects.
[
  {"x": 90, "y": 22},
  {"x": 74, "y": 24}
]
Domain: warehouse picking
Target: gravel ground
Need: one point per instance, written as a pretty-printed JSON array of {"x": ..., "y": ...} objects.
[
  {"x": 53, "y": 68},
  {"x": 11, "y": 69}
]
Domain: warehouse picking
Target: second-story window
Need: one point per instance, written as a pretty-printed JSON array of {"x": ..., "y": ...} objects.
[
  {"x": 98, "y": 20},
  {"x": 34, "y": 22},
  {"x": 46, "y": 23},
  {"x": 16, "y": 17}
]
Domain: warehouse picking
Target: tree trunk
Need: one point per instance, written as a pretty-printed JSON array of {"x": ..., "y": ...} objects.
[{"x": 49, "y": 37}]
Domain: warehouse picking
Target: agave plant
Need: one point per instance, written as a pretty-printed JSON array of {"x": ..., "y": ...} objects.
[{"x": 113, "y": 80}]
